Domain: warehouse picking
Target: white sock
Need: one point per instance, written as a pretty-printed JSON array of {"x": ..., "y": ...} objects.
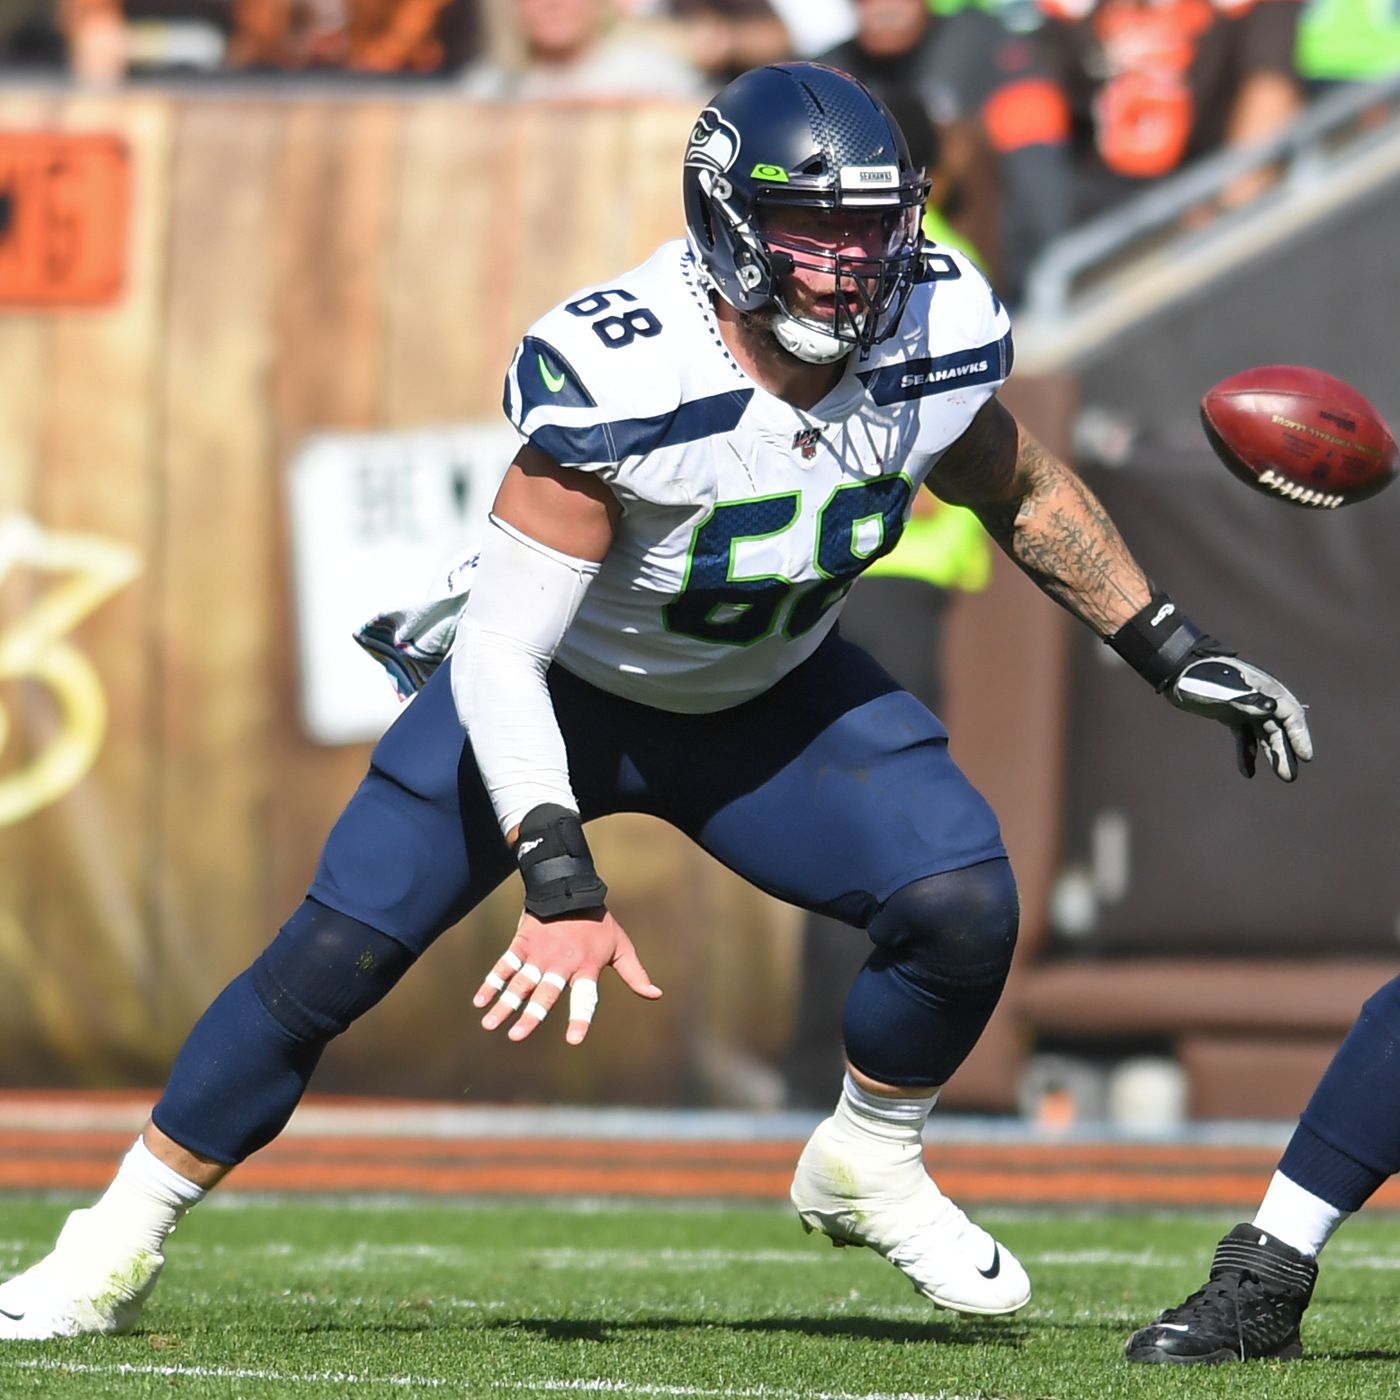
[
  {"x": 1297, "y": 1217},
  {"x": 883, "y": 1116},
  {"x": 145, "y": 1201}
]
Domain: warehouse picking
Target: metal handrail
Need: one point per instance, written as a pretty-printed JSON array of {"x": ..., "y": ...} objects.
[{"x": 1051, "y": 277}]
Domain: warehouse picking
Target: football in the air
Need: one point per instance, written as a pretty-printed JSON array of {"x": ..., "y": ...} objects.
[{"x": 1299, "y": 434}]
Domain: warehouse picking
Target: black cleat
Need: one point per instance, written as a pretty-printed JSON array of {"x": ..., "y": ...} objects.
[{"x": 1249, "y": 1308}]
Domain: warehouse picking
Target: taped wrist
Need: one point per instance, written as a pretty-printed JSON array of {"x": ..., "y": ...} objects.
[
  {"x": 556, "y": 864},
  {"x": 1159, "y": 640}
]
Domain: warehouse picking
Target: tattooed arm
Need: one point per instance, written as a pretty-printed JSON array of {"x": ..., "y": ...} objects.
[
  {"x": 1044, "y": 517},
  {"x": 1056, "y": 529}
]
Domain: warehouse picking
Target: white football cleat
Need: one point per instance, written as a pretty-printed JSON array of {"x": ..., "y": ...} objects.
[
  {"x": 881, "y": 1197},
  {"x": 87, "y": 1286}
]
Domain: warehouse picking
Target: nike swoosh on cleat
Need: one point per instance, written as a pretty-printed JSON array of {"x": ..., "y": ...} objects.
[
  {"x": 14, "y": 1317},
  {"x": 552, "y": 382},
  {"x": 996, "y": 1263}
]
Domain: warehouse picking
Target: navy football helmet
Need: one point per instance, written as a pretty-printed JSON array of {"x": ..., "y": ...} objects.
[{"x": 804, "y": 136}]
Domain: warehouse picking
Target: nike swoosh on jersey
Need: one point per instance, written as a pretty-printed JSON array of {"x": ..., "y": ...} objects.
[
  {"x": 552, "y": 382},
  {"x": 995, "y": 1268}
]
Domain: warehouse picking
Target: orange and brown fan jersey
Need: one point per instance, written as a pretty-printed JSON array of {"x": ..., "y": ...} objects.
[
  {"x": 1151, "y": 83},
  {"x": 366, "y": 36}
]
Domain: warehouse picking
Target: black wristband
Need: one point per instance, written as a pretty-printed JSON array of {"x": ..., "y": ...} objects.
[
  {"x": 1159, "y": 640},
  {"x": 556, "y": 864}
]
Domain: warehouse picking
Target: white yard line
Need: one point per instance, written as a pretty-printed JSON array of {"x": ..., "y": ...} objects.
[
  {"x": 760, "y": 1392},
  {"x": 677, "y": 1261},
  {"x": 234, "y": 1373},
  {"x": 599, "y": 1385},
  {"x": 543, "y": 1256}
]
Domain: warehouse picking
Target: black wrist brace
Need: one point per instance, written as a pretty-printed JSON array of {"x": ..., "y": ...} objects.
[
  {"x": 1159, "y": 640},
  {"x": 556, "y": 864}
]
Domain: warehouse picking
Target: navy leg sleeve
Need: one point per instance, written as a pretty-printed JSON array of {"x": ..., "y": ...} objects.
[
  {"x": 1348, "y": 1139},
  {"x": 943, "y": 948},
  {"x": 415, "y": 849},
  {"x": 246, "y": 1063}
]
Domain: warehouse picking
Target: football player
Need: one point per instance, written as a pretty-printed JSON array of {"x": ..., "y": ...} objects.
[
  {"x": 1346, "y": 1144},
  {"x": 715, "y": 444}
]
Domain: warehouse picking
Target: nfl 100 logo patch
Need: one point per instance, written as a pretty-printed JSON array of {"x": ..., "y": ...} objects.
[{"x": 805, "y": 441}]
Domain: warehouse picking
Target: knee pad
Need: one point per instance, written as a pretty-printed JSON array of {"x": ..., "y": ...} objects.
[
  {"x": 325, "y": 969},
  {"x": 943, "y": 948},
  {"x": 950, "y": 932}
]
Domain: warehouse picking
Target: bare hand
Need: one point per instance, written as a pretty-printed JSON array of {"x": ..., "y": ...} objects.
[{"x": 545, "y": 957}]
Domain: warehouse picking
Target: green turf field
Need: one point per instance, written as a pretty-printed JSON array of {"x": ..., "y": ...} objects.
[{"x": 329, "y": 1298}]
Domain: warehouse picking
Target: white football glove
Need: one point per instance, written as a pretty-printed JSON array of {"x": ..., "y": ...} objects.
[{"x": 1253, "y": 704}]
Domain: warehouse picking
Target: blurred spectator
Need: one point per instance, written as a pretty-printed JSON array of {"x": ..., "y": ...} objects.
[
  {"x": 940, "y": 222},
  {"x": 1348, "y": 41},
  {"x": 580, "y": 48},
  {"x": 353, "y": 36},
  {"x": 31, "y": 37},
  {"x": 1156, "y": 83},
  {"x": 721, "y": 37},
  {"x": 110, "y": 39},
  {"x": 816, "y": 25},
  {"x": 95, "y": 31},
  {"x": 174, "y": 36},
  {"x": 1001, "y": 120}
]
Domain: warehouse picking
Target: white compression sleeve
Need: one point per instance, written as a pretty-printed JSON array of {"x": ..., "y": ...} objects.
[{"x": 523, "y": 597}]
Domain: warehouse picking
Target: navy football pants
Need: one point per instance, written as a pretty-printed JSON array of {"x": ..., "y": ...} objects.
[{"x": 834, "y": 791}]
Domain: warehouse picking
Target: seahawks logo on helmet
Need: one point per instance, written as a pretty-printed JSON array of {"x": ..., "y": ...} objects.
[{"x": 714, "y": 143}]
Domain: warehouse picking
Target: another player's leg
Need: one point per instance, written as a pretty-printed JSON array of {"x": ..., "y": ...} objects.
[
  {"x": 836, "y": 791},
  {"x": 1261, "y": 1279},
  {"x": 398, "y": 859}
]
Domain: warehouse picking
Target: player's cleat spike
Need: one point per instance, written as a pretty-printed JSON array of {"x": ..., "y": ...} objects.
[
  {"x": 85, "y": 1287},
  {"x": 1250, "y": 1307},
  {"x": 882, "y": 1198}
]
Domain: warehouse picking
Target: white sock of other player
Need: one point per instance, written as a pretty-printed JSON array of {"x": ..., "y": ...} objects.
[{"x": 1297, "y": 1217}]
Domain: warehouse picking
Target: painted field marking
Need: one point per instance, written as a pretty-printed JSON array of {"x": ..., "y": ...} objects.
[
  {"x": 543, "y": 1256},
  {"x": 599, "y": 1385},
  {"x": 758, "y": 1392}
]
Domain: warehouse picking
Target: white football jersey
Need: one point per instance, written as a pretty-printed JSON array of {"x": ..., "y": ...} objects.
[{"x": 744, "y": 520}]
